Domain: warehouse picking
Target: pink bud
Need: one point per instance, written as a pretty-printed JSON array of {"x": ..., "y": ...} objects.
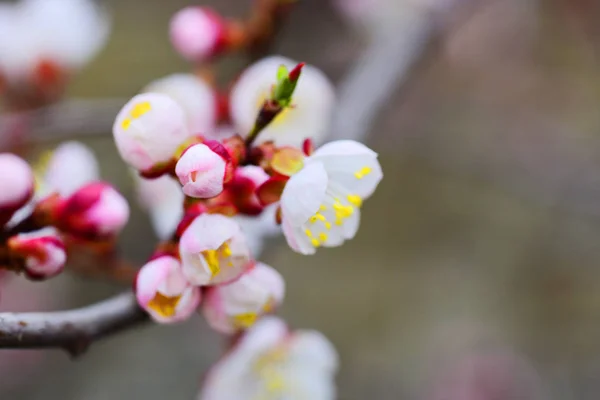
[
  {"x": 95, "y": 210},
  {"x": 16, "y": 184},
  {"x": 236, "y": 306},
  {"x": 197, "y": 33},
  {"x": 163, "y": 291},
  {"x": 149, "y": 129},
  {"x": 201, "y": 171},
  {"x": 43, "y": 252}
]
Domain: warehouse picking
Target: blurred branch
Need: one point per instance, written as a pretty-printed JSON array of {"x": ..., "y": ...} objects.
[
  {"x": 73, "y": 330},
  {"x": 394, "y": 48},
  {"x": 68, "y": 119}
]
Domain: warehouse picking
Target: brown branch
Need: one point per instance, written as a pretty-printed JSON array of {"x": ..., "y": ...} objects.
[{"x": 72, "y": 330}]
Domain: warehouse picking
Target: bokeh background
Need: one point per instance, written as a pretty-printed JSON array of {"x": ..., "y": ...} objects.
[{"x": 475, "y": 275}]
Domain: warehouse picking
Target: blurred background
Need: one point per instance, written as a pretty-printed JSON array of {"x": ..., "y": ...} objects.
[{"x": 475, "y": 275}]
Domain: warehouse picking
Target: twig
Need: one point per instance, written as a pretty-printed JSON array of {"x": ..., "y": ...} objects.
[{"x": 72, "y": 330}]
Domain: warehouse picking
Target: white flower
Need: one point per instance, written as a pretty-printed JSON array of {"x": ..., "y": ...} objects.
[
  {"x": 312, "y": 101},
  {"x": 65, "y": 33},
  {"x": 71, "y": 166},
  {"x": 321, "y": 203},
  {"x": 213, "y": 250},
  {"x": 236, "y": 306},
  {"x": 270, "y": 362},
  {"x": 149, "y": 129},
  {"x": 194, "y": 95},
  {"x": 163, "y": 199}
]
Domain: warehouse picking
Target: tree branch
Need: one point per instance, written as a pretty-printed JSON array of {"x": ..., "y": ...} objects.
[{"x": 72, "y": 330}]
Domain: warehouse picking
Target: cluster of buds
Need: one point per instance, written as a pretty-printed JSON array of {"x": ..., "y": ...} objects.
[
  {"x": 220, "y": 170},
  {"x": 206, "y": 263},
  {"x": 45, "y": 211}
]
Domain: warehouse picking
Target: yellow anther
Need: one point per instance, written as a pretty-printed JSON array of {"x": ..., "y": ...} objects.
[
  {"x": 245, "y": 320},
  {"x": 315, "y": 242},
  {"x": 342, "y": 211},
  {"x": 140, "y": 109},
  {"x": 317, "y": 217},
  {"x": 164, "y": 305},
  {"x": 339, "y": 222},
  {"x": 214, "y": 258},
  {"x": 361, "y": 173},
  {"x": 323, "y": 208},
  {"x": 125, "y": 124},
  {"x": 355, "y": 200},
  {"x": 327, "y": 225},
  {"x": 323, "y": 237},
  {"x": 308, "y": 233}
]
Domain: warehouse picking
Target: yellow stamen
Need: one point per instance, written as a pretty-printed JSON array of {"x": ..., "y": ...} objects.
[
  {"x": 245, "y": 320},
  {"x": 342, "y": 211},
  {"x": 322, "y": 237},
  {"x": 355, "y": 200},
  {"x": 361, "y": 173},
  {"x": 140, "y": 109},
  {"x": 308, "y": 233},
  {"x": 315, "y": 242},
  {"x": 214, "y": 258},
  {"x": 126, "y": 124},
  {"x": 323, "y": 208},
  {"x": 164, "y": 305}
]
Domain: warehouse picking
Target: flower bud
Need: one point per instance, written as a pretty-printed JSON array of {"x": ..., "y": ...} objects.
[
  {"x": 43, "y": 252},
  {"x": 202, "y": 170},
  {"x": 197, "y": 33},
  {"x": 163, "y": 291},
  {"x": 96, "y": 210},
  {"x": 148, "y": 131},
  {"x": 213, "y": 250},
  {"x": 236, "y": 306},
  {"x": 16, "y": 185},
  {"x": 243, "y": 186}
]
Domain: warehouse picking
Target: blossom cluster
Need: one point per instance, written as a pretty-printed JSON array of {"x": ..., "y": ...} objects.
[
  {"x": 47, "y": 211},
  {"x": 217, "y": 170}
]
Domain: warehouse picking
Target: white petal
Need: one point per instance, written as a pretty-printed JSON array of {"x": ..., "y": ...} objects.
[
  {"x": 194, "y": 95},
  {"x": 303, "y": 194},
  {"x": 313, "y": 99},
  {"x": 352, "y": 165},
  {"x": 208, "y": 232},
  {"x": 312, "y": 348},
  {"x": 163, "y": 199},
  {"x": 70, "y": 31},
  {"x": 72, "y": 165},
  {"x": 266, "y": 333},
  {"x": 297, "y": 240}
]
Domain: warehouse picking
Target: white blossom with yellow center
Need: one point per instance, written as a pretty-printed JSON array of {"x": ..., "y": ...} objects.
[
  {"x": 213, "y": 250},
  {"x": 321, "y": 203},
  {"x": 271, "y": 363},
  {"x": 309, "y": 117},
  {"x": 236, "y": 306}
]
